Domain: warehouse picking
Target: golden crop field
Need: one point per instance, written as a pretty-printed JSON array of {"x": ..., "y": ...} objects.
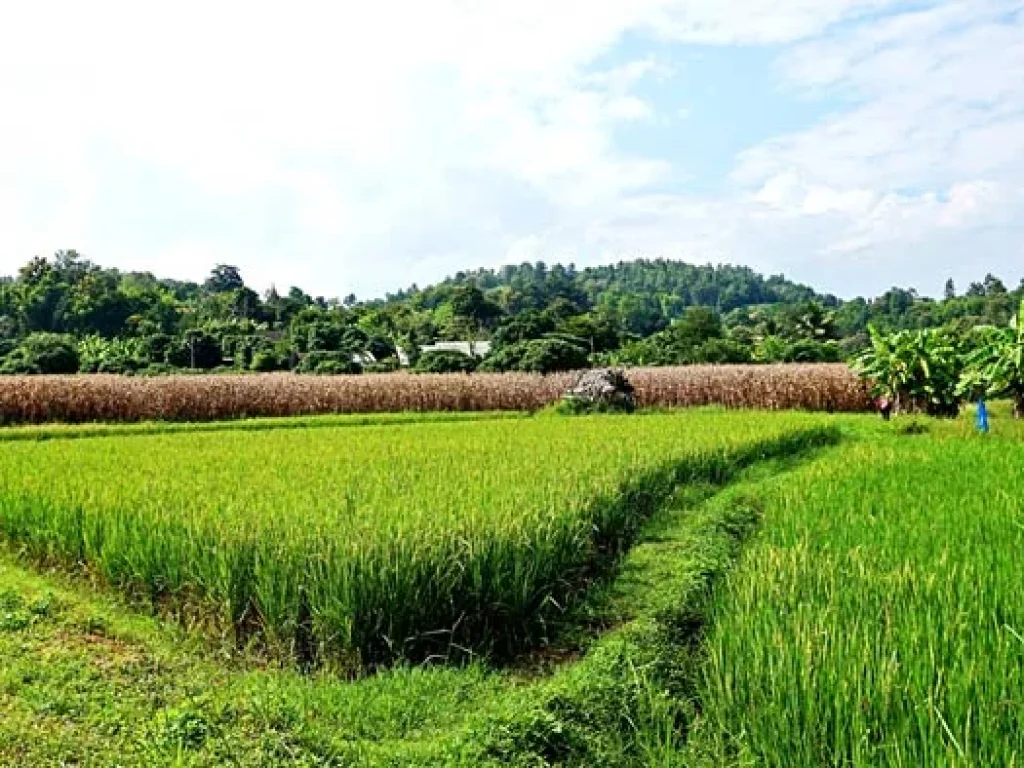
[{"x": 76, "y": 399}]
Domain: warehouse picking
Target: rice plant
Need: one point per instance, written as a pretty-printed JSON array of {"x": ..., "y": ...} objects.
[
  {"x": 879, "y": 619},
  {"x": 372, "y": 544}
]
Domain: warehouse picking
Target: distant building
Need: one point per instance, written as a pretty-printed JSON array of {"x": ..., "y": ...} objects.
[
  {"x": 471, "y": 348},
  {"x": 477, "y": 349}
]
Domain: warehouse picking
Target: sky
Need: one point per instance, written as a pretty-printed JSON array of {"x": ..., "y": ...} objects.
[{"x": 359, "y": 147}]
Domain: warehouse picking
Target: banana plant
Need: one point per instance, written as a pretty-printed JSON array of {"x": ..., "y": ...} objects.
[
  {"x": 916, "y": 370},
  {"x": 995, "y": 367}
]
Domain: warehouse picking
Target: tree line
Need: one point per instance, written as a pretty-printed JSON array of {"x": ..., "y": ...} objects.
[{"x": 66, "y": 314}]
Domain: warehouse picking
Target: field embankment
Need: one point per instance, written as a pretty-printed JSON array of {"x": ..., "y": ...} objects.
[{"x": 77, "y": 399}]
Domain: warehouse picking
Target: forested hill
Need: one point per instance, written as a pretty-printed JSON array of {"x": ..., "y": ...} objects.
[
  {"x": 675, "y": 284},
  {"x": 68, "y": 314}
]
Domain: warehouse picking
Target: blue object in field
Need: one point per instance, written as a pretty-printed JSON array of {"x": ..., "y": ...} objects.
[{"x": 982, "y": 417}]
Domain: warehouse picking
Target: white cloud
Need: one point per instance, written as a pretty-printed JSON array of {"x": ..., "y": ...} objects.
[{"x": 367, "y": 145}]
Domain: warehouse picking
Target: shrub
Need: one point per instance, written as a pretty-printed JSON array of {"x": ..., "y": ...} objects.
[
  {"x": 917, "y": 370},
  {"x": 445, "y": 361},
  {"x": 504, "y": 359},
  {"x": 118, "y": 365},
  {"x": 99, "y": 355},
  {"x": 811, "y": 351},
  {"x": 196, "y": 349},
  {"x": 17, "y": 364},
  {"x": 6, "y": 347},
  {"x": 337, "y": 368},
  {"x": 553, "y": 355},
  {"x": 549, "y": 355},
  {"x": 267, "y": 361},
  {"x": 43, "y": 353},
  {"x": 156, "y": 369},
  {"x": 387, "y": 365},
  {"x": 332, "y": 363},
  {"x": 721, "y": 351},
  {"x": 996, "y": 366},
  {"x": 152, "y": 349}
]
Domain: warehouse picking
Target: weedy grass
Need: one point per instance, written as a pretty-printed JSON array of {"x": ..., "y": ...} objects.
[
  {"x": 878, "y": 619},
  {"x": 363, "y": 547}
]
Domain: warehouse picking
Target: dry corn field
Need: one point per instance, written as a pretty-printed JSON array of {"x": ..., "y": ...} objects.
[{"x": 76, "y": 399}]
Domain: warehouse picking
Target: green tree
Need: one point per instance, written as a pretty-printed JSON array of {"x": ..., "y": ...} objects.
[
  {"x": 51, "y": 353},
  {"x": 472, "y": 310},
  {"x": 445, "y": 361},
  {"x": 224, "y": 278}
]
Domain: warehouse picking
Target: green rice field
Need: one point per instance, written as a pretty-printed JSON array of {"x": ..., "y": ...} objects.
[
  {"x": 878, "y": 619},
  {"x": 385, "y": 542},
  {"x": 693, "y": 588}
]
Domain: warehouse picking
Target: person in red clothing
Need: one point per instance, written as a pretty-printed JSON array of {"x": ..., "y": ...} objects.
[{"x": 884, "y": 406}]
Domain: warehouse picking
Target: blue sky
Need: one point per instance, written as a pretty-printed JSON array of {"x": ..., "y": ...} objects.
[
  {"x": 712, "y": 103},
  {"x": 360, "y": 147}
]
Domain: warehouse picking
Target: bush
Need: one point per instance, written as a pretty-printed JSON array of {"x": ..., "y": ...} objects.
[
  {"x": 157, "y": 369},
  {"x": 118, "y": 365},
  {"x": 267, "y": 361},
  {"x": 548, "y": 355},
  {"x": 16, "y": 363},
  {"x": 99, "y": 355},
  {"x": 381, "y": 348},
  {"x": 387, "y": 365},
  {"x": 445, "y": 361},
  {"x": 809, "y": 351},
  {"x": 332, "y": 363},
  {"x": 337, "y": 368},
  {"x": 6, "y": 347},
  {"x": 153, "y": 349},
  {"x": 504, "y": 359},
  {"x": 195, "y": 349},
  {"x": 917, "y": 370},
  {"x": 42, "y": 353},
  {"x": 552, "y": 355},
  {"x": 722, "y": 352}
]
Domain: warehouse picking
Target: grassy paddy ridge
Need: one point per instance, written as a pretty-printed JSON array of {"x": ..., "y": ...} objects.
[{"x": 399, "y": 541}]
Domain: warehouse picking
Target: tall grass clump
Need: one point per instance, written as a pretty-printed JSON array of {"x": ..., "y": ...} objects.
[
  {"x": 76, "y": 399},
  {"x": 879, "y": 618},
  {"x": 370, "y": 545}
]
